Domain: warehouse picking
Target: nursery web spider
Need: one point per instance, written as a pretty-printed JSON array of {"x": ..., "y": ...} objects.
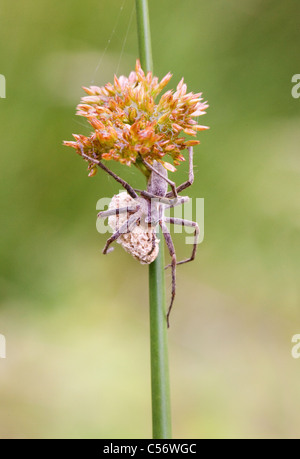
[{"x": 149, "y": 209}]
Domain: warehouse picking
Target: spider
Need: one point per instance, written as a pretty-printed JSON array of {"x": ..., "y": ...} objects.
[{"x": 149, "y": 209}]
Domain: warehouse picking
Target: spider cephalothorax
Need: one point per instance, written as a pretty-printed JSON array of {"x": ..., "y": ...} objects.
[{"x": 145, "y": 209}]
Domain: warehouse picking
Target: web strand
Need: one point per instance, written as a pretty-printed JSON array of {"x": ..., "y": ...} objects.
[
  {"x": 125, "y": 38},
  {"x": 109, "y": 41}
]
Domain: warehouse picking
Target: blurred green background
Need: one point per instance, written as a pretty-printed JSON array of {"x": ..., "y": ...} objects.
[{"x": 76, "y": 322}]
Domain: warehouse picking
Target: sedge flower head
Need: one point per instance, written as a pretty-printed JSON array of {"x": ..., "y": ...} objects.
[{"x": 129, "y": 122}]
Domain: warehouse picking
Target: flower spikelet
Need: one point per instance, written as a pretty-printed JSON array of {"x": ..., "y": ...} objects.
[{"x": 128, "y": 121}]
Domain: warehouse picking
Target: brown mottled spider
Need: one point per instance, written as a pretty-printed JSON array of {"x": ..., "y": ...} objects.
[{"x": 149, "y": 209}]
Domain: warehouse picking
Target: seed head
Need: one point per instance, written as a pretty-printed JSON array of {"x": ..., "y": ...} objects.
[{"x": 128, "y": 121}]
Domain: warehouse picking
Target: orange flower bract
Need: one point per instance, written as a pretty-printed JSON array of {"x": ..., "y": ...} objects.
[{"x": 127, "y": 121}]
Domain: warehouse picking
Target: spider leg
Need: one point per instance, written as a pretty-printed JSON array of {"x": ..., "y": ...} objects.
[
  {"x": 150, "y": 196},
  {"x": 125, "y": 228},
  {"x": 153, "y": 243},
  {"x": 164, "y": 200},
  {"x": 124, "y": 184},
  {"x": 180, "y": 221},
  {"x": 177, "y": 202},
  {"x": 171, "y": 249},
  {"x": 151, "y": 168},
  {"x": 190, "y": 181},
  {"x": 117, "y": 211}
]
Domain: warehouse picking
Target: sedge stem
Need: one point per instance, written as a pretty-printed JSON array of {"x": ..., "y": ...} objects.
[{"x": 161, "y": 409}]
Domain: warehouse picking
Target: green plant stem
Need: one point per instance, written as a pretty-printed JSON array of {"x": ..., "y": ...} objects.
[
  {"x": 161, "y": 410},
  {"x": 144, "y": 36}
]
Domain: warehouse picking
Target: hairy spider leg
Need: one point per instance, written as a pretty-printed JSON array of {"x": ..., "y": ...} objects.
[
  {"x": 148, "y": 195},
  {"x": 190, "y": 181},
  {"x": 127, "y": 227},
  {"x": 124, "y": 184},
  {"x": 170, "y": 202},
  {"x": 177, "y": 202},
  {"x": 172, "y": 253},
  {"x": 181, "y": 221},
  {"x": 117, "y": 211}
]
